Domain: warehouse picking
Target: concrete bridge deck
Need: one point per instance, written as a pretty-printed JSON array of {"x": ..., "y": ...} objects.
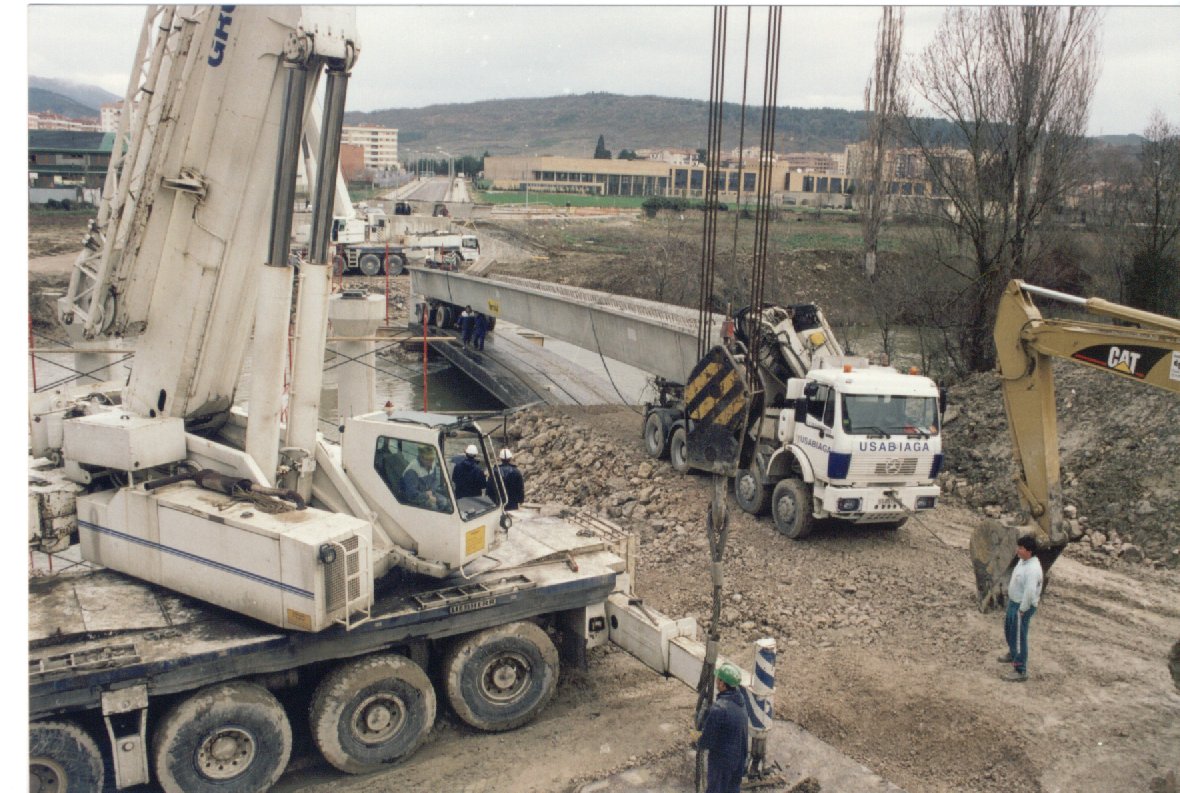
[
  {"x": 517, "y": 370},
  {"x": 656, "y": 337}
]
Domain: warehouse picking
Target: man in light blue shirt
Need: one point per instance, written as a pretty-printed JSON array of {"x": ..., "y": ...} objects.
[{"x": 1024, "y": 593}]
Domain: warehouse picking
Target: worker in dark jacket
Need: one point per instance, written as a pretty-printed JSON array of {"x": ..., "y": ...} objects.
[
  {"x": 467, "y": 325},
  {"x": 468, "y": 475},
  {"x": 724, "y": 733},
  {"x": 513, "y": 479},
  {"x": 480, "y": 330}
]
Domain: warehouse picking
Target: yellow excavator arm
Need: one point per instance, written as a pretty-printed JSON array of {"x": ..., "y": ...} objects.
[{"x": 1147, "y": 351}]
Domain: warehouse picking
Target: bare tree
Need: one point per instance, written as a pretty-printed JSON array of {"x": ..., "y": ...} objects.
[
  {"x": 1154, "y": 221},
  {"x": 1015, "y": 82},
  {"x": 881, "y": 106}
]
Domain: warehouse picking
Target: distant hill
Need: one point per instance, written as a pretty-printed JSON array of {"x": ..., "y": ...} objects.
[
  {"x": 1131, "y": 141},
  {"x": 570, "y": 125},
  {"x": 42, "y": 101},
  {"x": 89, "y": 95}
]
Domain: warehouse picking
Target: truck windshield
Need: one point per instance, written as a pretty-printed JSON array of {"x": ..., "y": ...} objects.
[{"x": 876, "y": 414}]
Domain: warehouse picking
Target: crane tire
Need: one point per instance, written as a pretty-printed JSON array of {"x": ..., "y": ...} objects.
[
  {"x": 502, "y": 677},
  {"x": 790, "y": 504},
  {"x": 396, "y": 264},
  {"x": 372, "y": 712},
  {"x": 370, "y": 264},
  {"x": 655, "y": 437},
  {"x": 63, "y": 758},
  {"x": 678, "y": 449},
  {"x": 750, "y": 492},
  {"x": 226, "y": 738}
]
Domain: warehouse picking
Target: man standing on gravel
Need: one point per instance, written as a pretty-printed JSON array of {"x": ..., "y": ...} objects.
[
  {"x": 725, "y": 733},
  {"x": 1024, "y": 593}
]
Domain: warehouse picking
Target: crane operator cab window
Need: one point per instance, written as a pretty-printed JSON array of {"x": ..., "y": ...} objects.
[
  {"x": 413, "y": 473},
  {"x": 471, "y": 474},
  {"x": 877, "y": 414}
]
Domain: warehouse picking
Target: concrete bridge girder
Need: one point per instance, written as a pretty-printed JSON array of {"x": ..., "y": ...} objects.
[{"x": 656, "y": 337}]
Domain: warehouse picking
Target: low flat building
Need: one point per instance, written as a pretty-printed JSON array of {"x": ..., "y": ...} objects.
[{"x": 69, "y": 159}]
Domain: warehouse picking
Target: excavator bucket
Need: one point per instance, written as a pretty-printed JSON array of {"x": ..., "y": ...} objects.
[
  {"x": 718, "y": 407},
  {"x": 993, "y": 553}
]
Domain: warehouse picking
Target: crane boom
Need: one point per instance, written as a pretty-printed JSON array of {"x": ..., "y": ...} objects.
[{"x": 1026, "y": 343}]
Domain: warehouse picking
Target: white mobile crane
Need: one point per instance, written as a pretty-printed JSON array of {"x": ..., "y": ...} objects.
[{"x": 234, "y": 554}]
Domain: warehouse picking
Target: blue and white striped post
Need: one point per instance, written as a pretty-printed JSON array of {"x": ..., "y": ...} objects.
[{"x": 760, "y": 702}]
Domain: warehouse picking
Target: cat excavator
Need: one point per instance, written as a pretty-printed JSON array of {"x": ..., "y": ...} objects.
[{"x": 1144, "y": 347}]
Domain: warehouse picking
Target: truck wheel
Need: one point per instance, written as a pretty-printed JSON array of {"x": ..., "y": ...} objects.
[
  {"x": 370, "y": 264},
  {"x": 678, "y": 449},
  {"x": 654, "y": 436},
  {"x": 397, "y": 264},
  {"x": 502, "y": 677},
  {"x": 750, "y": 493},
  {"x": 227, "y": 738},
  {"x": 790, "y": 504},
  {"x": 63, "y": 759},
  {"x": 372, "y": 712}
]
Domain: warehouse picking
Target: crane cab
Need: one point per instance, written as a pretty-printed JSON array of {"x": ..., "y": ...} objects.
[{"x": 403, "y": 464}]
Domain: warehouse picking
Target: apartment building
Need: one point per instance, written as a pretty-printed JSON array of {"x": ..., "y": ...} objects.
[{"x": 378, "y": 143}]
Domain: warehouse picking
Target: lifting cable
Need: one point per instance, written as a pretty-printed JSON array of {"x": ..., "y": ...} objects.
[
  {"x": 712, "y": 172},
  {"x": 765, "y": 174},
  {"x": 717, "y": 518}
]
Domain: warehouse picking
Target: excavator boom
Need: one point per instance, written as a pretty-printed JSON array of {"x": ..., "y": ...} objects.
[{"x": 1146, "y": 352}]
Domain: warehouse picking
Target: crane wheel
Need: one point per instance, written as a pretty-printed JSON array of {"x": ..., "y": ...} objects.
[
  {"x": 63, "y": 758},
  {"x": 750, "y": 493},
  {"x": 372, "y": 712},
  {"x": 396, "y": 264},
  {"x": 370, "y": 264},
  {"x": 502, "y": 677},
  {"x": 227, "y": 738},
  {"x": 655, "y": 437},
  {"x": 790, "y": 505},
  {"x": 678, "y": 449}
]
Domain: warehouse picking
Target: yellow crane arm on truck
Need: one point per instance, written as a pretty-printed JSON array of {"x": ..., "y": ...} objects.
[{"x": 1146, "y": 351}]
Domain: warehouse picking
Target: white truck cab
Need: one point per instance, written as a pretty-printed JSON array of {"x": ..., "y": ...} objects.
[{"x": 866, "y": 439}]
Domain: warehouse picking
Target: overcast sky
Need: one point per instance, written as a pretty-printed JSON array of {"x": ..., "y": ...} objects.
[{"x": 413, "y": 56}]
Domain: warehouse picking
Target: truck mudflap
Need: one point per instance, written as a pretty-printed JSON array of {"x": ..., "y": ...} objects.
[{"x": 717, "y": 404}]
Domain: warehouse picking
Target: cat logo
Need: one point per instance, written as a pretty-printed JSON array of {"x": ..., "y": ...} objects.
[
  {"x": 1122, "y": 360},
  {"x": 1134, "y": 361}
]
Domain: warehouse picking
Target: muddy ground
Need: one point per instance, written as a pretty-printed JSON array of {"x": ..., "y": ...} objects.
[{"x": 882, "y": 652}]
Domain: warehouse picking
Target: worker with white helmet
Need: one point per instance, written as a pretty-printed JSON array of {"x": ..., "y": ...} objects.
[
  {"x": 468, "y": 475},
  {"x": 513, "y": 479}
]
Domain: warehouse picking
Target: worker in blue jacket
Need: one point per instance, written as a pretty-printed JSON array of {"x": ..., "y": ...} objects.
[
  {"x": 513, "y": 480},
  {"x": 725, "y": 733}
]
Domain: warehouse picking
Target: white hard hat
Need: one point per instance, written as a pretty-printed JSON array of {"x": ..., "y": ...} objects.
[
  {"x": 505, "y": 454},
  {"x": 471, "y": 450}
]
